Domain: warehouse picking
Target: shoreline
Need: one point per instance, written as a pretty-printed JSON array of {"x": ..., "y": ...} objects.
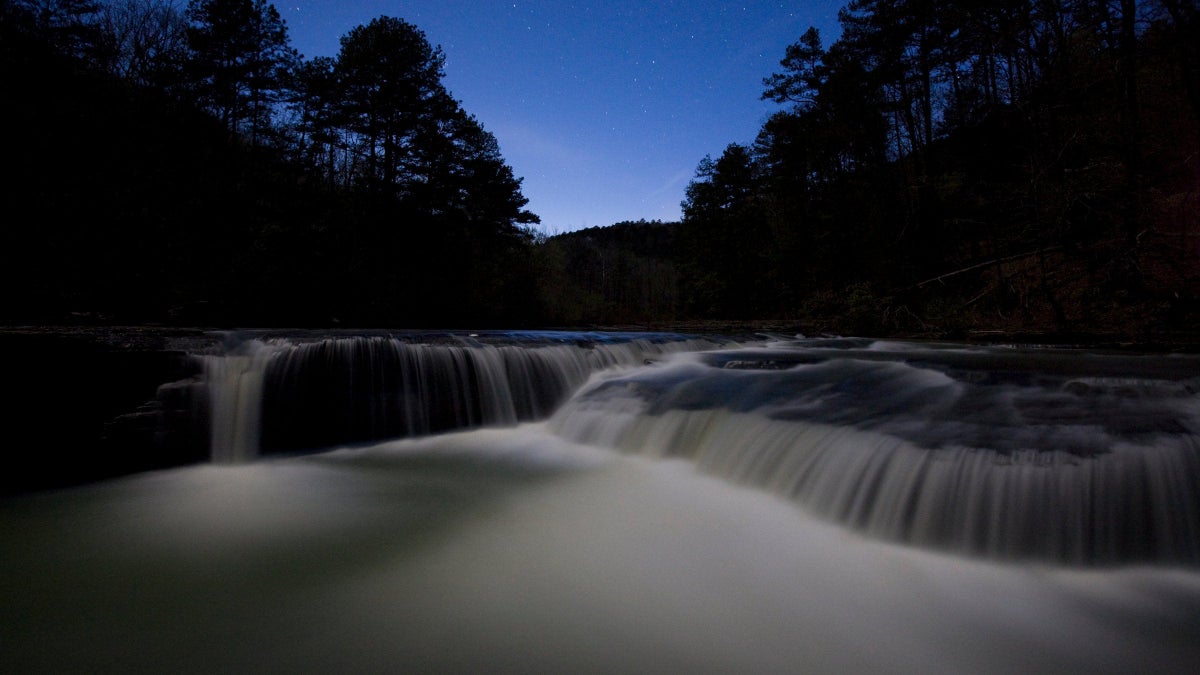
[{"x": 151, "y": 337}]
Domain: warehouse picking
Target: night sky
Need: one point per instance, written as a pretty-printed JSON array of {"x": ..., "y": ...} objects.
[{"x": 605, "y": 108}]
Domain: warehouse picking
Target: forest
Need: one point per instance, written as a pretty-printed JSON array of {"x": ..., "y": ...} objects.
[{"x": 942, "y": 168}]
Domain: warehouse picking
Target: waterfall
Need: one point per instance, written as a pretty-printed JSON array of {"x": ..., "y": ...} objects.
[
  {"x": 832, "y": 505},
  {"x": 1003, "y": 453},
  {"x": 302, "y": 393},
  {"x": 234, "y": 383},
  {"x": 978, "y": 454}
]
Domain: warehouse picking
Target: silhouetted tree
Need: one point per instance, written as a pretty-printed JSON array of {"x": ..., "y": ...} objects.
[
  {"x": 723, "y": 238},
  {"x": 802, "y": 75},
  {"x": 144, "y": 42},
  {"x": 240, "y": 58},
  {"x": 321, "y": 139},
  {"x": 937, "y": 136},
  {"x": 67, "y": 25},
  {"x": 391, "y": 95}
]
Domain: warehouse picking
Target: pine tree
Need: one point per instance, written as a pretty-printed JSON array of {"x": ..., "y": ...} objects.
[{"x": 240, "y": 60}]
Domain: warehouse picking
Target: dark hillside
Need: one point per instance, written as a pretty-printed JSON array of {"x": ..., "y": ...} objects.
[
  {"x": 622, "y": 274},
  {"x": 946, "y": 168},
  {"x": 205, "y": 176}
]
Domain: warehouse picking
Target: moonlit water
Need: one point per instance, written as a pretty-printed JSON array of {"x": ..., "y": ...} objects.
[
  {"x": 311, "y": 392},
  {"x": 1073, "y": 458},
  {"x": 612, "y": 537}
]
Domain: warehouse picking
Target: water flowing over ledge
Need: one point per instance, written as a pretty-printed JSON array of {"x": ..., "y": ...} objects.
[
  {"x": 1069, "y": 456},
  {"x": 1006, "y": 454},
  {"x": 838, "y": 506},
  {"x": 287, "y": 394}
]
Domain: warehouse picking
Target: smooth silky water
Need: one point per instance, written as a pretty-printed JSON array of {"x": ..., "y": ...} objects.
[{"x": 629, "y": 504}]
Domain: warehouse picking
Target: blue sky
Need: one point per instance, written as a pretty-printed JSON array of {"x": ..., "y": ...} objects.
[{"x": 604, "y": 108}]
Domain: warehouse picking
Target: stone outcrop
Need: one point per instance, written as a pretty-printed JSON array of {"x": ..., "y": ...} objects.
[{"x": 84, "y": 404}]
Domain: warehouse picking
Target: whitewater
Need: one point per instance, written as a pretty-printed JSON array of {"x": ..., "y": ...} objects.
[{"x": 825, "y": 506}]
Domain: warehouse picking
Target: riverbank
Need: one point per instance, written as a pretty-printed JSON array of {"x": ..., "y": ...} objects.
[
  {"x": 1155, "y": 342},
  {"x": 196, "y": 338}
]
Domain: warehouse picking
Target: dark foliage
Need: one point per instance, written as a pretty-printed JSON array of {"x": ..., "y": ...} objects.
[
  {"x": 192, "y": 170},
  {"x": 947, "y": 166},
  {"x": 624, "y": 274},
  {"x": 943, "y": 166}
]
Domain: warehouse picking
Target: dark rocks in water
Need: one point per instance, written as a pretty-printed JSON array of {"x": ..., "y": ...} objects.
[{"x": 88, "y": 404}]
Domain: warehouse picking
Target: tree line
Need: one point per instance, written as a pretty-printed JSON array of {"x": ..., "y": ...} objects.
[
  {"x": 191, "y": 166},
  {"x": 943, "y": 165},
  {"x": 965, "y": 163}
]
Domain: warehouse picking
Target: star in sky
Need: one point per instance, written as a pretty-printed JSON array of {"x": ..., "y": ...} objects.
[{"x": 604, "y": 109}]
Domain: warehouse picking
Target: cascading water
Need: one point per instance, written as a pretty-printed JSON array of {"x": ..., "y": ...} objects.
[
  {"x": 1005, "y": 455},
  {"x": 291, "y": 394},
  {"x": 234, "y": 382},
  {"x": 600, "y": 503}
]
